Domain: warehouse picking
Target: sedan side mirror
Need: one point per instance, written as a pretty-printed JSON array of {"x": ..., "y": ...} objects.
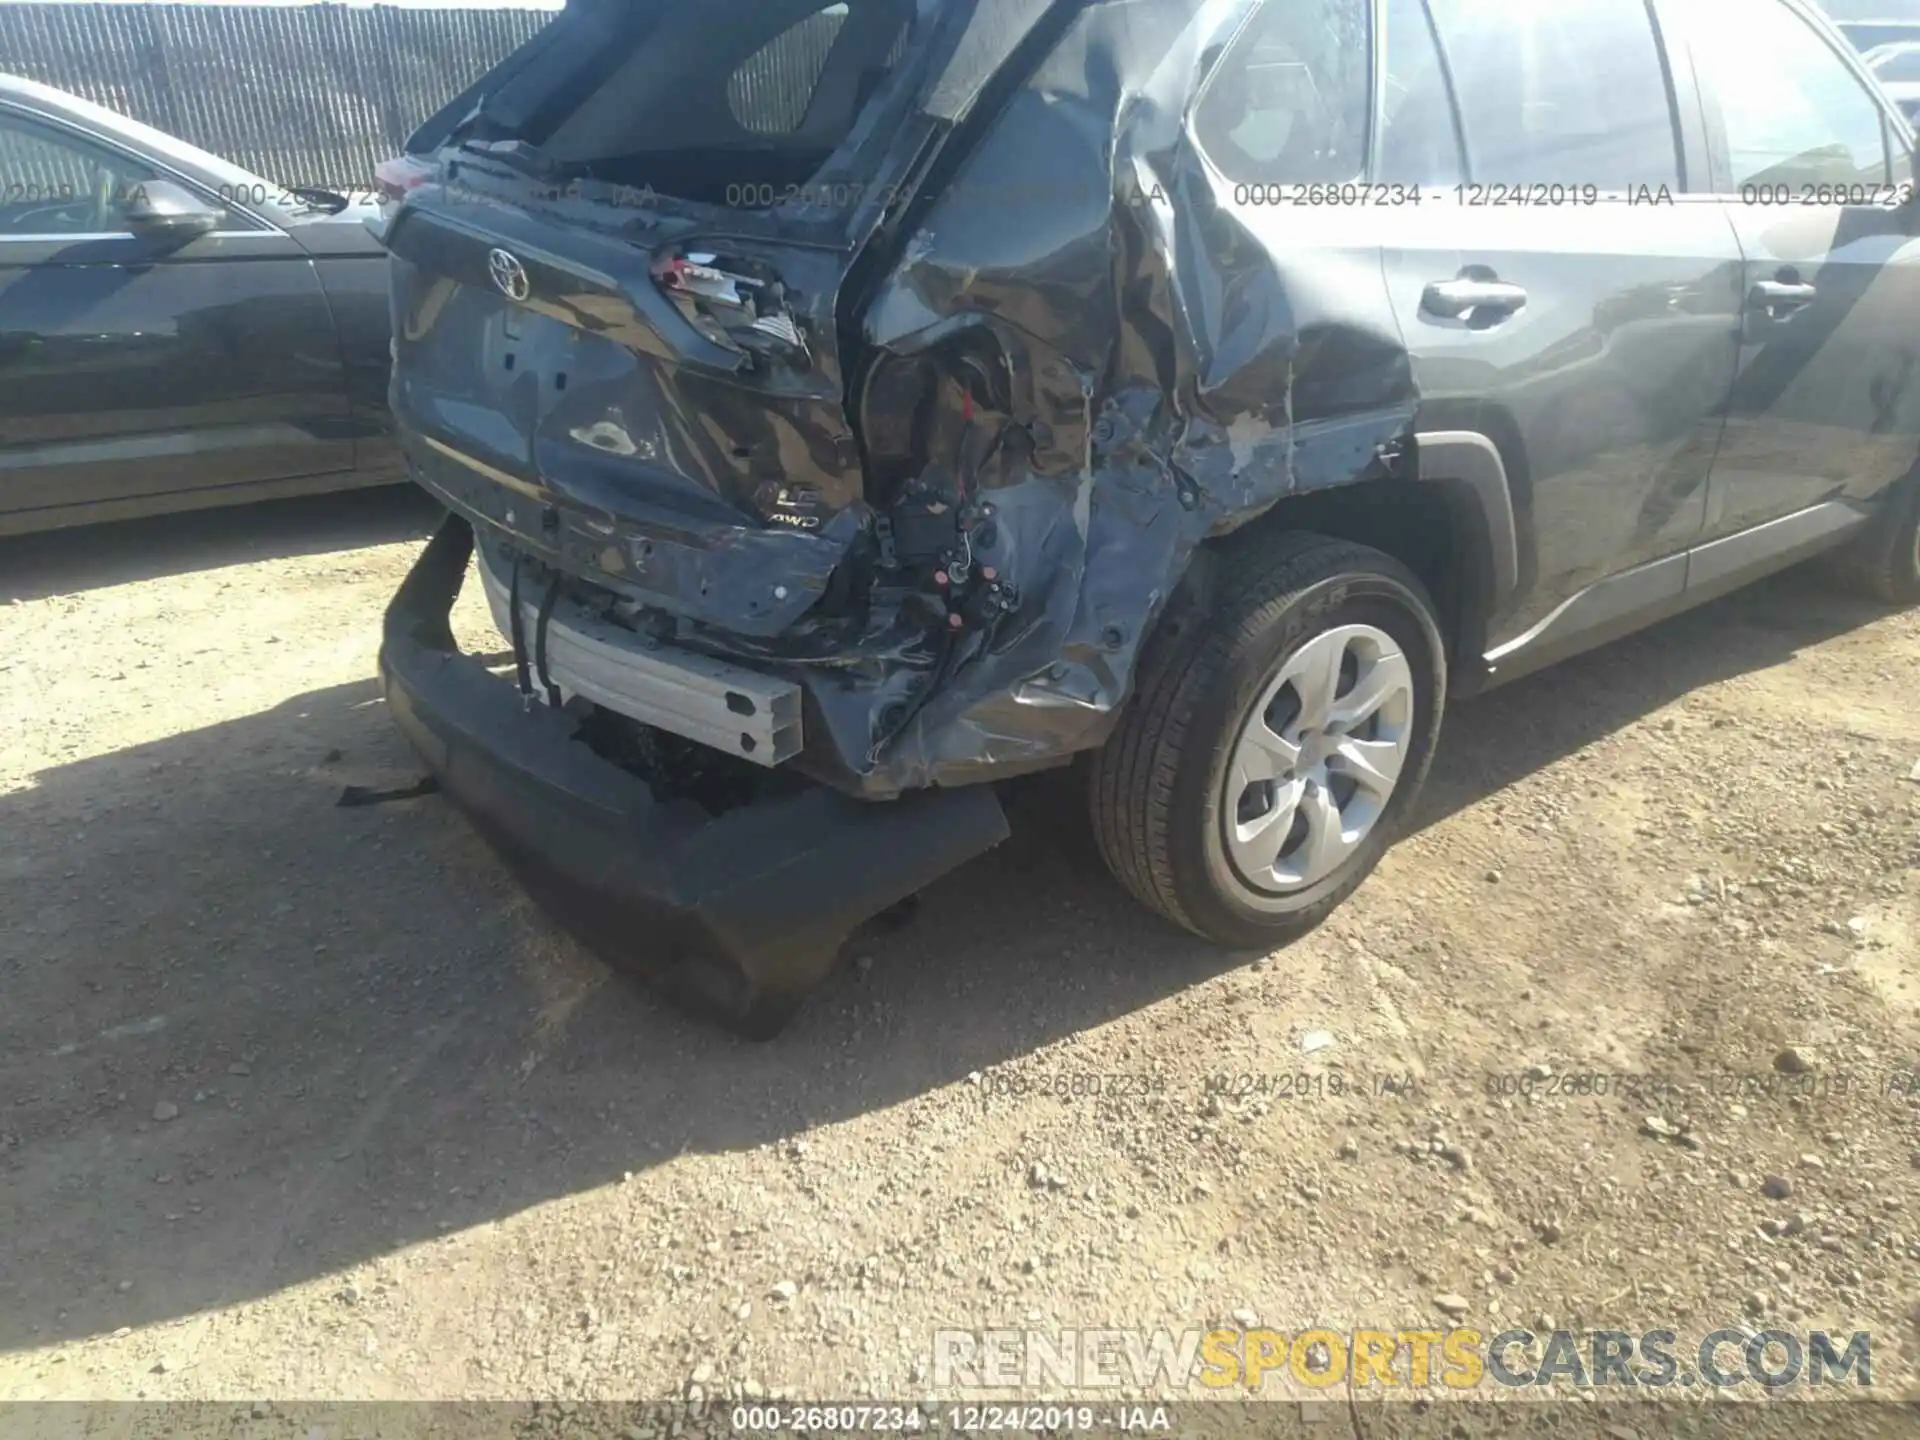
[{"x": 162, "y": 210}]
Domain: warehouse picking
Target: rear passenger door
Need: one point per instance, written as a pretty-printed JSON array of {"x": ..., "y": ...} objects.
[
  {"x": 1806, "y": 158},
  {"x": 1563, "y": 298},
  {"x": 1302, "y": 335}
]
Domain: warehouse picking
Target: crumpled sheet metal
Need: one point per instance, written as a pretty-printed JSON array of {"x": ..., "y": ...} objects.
[{"x": 1172, "y": 376}]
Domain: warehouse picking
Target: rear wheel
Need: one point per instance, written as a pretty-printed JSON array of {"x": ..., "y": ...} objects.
[{"x": 1270, "y": 756}]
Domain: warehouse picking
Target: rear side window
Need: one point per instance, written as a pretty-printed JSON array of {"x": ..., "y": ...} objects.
[
  {"x": 770, "y": 93},
  {"x": 1571, "y": 92},
  {"x": 1418, "y": 142},
  {"x": 1288, "y": 101},
  {"x": 735, "y": 102},
  {"x": 1793, "y": 113}
]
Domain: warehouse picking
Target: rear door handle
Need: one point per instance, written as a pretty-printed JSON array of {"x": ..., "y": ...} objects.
[
  {"x": 1780, "y": 297},
  {"x": 1457, "y": 299}
]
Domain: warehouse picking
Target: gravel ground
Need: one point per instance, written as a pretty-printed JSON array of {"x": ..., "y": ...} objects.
[{"x": 298, "y": 1101}]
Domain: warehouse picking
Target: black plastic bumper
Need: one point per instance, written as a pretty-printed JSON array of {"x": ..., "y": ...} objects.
[{"x": 739, "y": 915}]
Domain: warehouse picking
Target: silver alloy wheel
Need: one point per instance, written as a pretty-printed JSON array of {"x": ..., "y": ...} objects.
[{"x": 1317, "y": 758}]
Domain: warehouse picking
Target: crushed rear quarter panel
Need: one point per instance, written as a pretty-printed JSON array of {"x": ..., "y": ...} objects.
[{"x": 1169, "y": 374}]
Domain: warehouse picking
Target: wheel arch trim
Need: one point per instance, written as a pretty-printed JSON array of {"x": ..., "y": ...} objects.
[{"x": 1468, "y": 460}]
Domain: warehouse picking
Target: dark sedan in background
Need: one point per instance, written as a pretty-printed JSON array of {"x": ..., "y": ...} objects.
[
  {"x": 174, "y": 331},
  {"x": 1897, "y": 69},
  {"x": 1870, "y": 24}
]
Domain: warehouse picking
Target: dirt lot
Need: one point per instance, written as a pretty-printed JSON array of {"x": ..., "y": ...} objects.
[{"x": 306, "y": 1101}]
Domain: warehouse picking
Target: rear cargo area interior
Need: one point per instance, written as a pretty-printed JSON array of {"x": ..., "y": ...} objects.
[{"x": 733, "y": 113}]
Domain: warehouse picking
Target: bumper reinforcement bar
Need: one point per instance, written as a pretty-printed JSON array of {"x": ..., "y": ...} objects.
[{"x": 726, "y": 707}]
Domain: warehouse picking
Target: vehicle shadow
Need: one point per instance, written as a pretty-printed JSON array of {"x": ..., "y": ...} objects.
[
  {"x": 90, "y": 557},
  {"x": 252, "y": 1038},
  {"x": 1500, "y": 737}
]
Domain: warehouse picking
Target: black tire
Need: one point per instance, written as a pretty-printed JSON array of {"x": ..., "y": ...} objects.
[
  {"x": 1887, "y": 564},
  {"x": 1157, "y": 785}
]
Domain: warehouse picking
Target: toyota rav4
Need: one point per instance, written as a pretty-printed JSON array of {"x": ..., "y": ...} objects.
[{"x": 850, "y": 406}]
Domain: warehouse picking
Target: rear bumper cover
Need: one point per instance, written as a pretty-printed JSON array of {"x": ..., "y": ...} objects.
[{"x": 739, "y": 914}]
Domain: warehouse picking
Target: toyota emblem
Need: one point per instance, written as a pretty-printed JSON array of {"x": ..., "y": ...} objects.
[{"x": 509, "y": 275}]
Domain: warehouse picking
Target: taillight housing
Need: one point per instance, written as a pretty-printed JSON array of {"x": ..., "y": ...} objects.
[
  {"x": 393, "y": 179},
  {"x": 735, "y": 304}
]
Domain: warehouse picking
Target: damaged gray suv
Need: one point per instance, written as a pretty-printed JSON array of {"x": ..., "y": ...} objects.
[{"x": 849, "y": 406}]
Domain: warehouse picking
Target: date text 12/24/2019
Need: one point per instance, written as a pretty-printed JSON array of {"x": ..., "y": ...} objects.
[
  {"x": 1542, "y": 1083},
  {"x": 1478, "y": 195},
  {"x": 1009, "y": 1418},
  {"x": 1470, "y": 195},
  {"x": 1311, "y": 1085}
]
